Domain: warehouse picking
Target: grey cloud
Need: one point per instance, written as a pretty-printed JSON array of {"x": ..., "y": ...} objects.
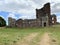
[
  {"x": 41, "y": 2},
  {"x": 28, "y": 5},
  {"x": 14, "y": 6},
  {"x": 56, "y": 8}
]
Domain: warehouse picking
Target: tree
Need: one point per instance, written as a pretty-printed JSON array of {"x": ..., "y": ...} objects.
[{"x": 2, "y": 22}]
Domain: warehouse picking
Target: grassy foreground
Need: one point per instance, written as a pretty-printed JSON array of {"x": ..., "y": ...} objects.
[{"x": 10, "y": 36}]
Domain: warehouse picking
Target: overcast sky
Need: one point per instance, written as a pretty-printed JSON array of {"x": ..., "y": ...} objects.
[{"x": 25, "y": 9}]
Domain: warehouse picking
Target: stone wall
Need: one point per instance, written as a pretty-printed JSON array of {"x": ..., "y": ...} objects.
[
  {"x": 28, "y": 23},
  {"x": 11, "y": 22}
]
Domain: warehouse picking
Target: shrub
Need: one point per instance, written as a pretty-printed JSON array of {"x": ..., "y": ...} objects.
[{"x": 2, "y": 22}]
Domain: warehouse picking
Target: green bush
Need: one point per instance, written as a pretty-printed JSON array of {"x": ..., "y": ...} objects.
[{"x": 2, "y": 22}]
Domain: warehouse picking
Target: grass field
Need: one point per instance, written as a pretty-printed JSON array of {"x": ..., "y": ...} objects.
[{"x": 28, "y": 36}]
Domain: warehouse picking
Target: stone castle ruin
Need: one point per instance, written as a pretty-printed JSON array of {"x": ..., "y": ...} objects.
[{"x": 43, "y": 18}]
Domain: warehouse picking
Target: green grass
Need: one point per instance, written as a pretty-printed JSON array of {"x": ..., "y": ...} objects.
[{"x": 9, "y": 36}]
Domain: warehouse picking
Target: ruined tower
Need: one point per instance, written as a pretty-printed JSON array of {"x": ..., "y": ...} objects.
[
  {"x": 11, "y": 22},
  {"x": 43, "y": 11},
  {"x": 54, "y": 19},
  {"x": 44, "y": 14}
]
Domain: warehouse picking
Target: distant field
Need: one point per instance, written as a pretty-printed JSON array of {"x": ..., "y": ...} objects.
[{"x": 28, "y": 36}]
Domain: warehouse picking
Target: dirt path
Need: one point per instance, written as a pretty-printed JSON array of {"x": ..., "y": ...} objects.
[
  {"x": 26, "y": 40},
  {"x": 45, "y": 39}
]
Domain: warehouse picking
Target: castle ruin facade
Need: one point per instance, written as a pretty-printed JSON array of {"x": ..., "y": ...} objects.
[{"x": 43, "y": 19}]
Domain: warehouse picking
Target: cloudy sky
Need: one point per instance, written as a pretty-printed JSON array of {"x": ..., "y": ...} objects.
[{"x": 25, "y": 9}]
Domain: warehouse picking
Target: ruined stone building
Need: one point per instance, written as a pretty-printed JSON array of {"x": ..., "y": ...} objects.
[{"x": 43, "y": 18}]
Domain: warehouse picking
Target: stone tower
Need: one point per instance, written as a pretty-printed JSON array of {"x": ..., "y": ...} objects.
[
  {"x": 11, "y": 22},
  {"x": 44, "y": 14},
  {"x": 54, "y": 19}
]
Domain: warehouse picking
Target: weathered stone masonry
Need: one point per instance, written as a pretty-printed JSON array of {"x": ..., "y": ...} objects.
[{"x": 43, "y": 18}]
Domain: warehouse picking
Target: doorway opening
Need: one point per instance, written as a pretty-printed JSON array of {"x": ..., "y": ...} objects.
[{"x": 44, "y": 24}]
